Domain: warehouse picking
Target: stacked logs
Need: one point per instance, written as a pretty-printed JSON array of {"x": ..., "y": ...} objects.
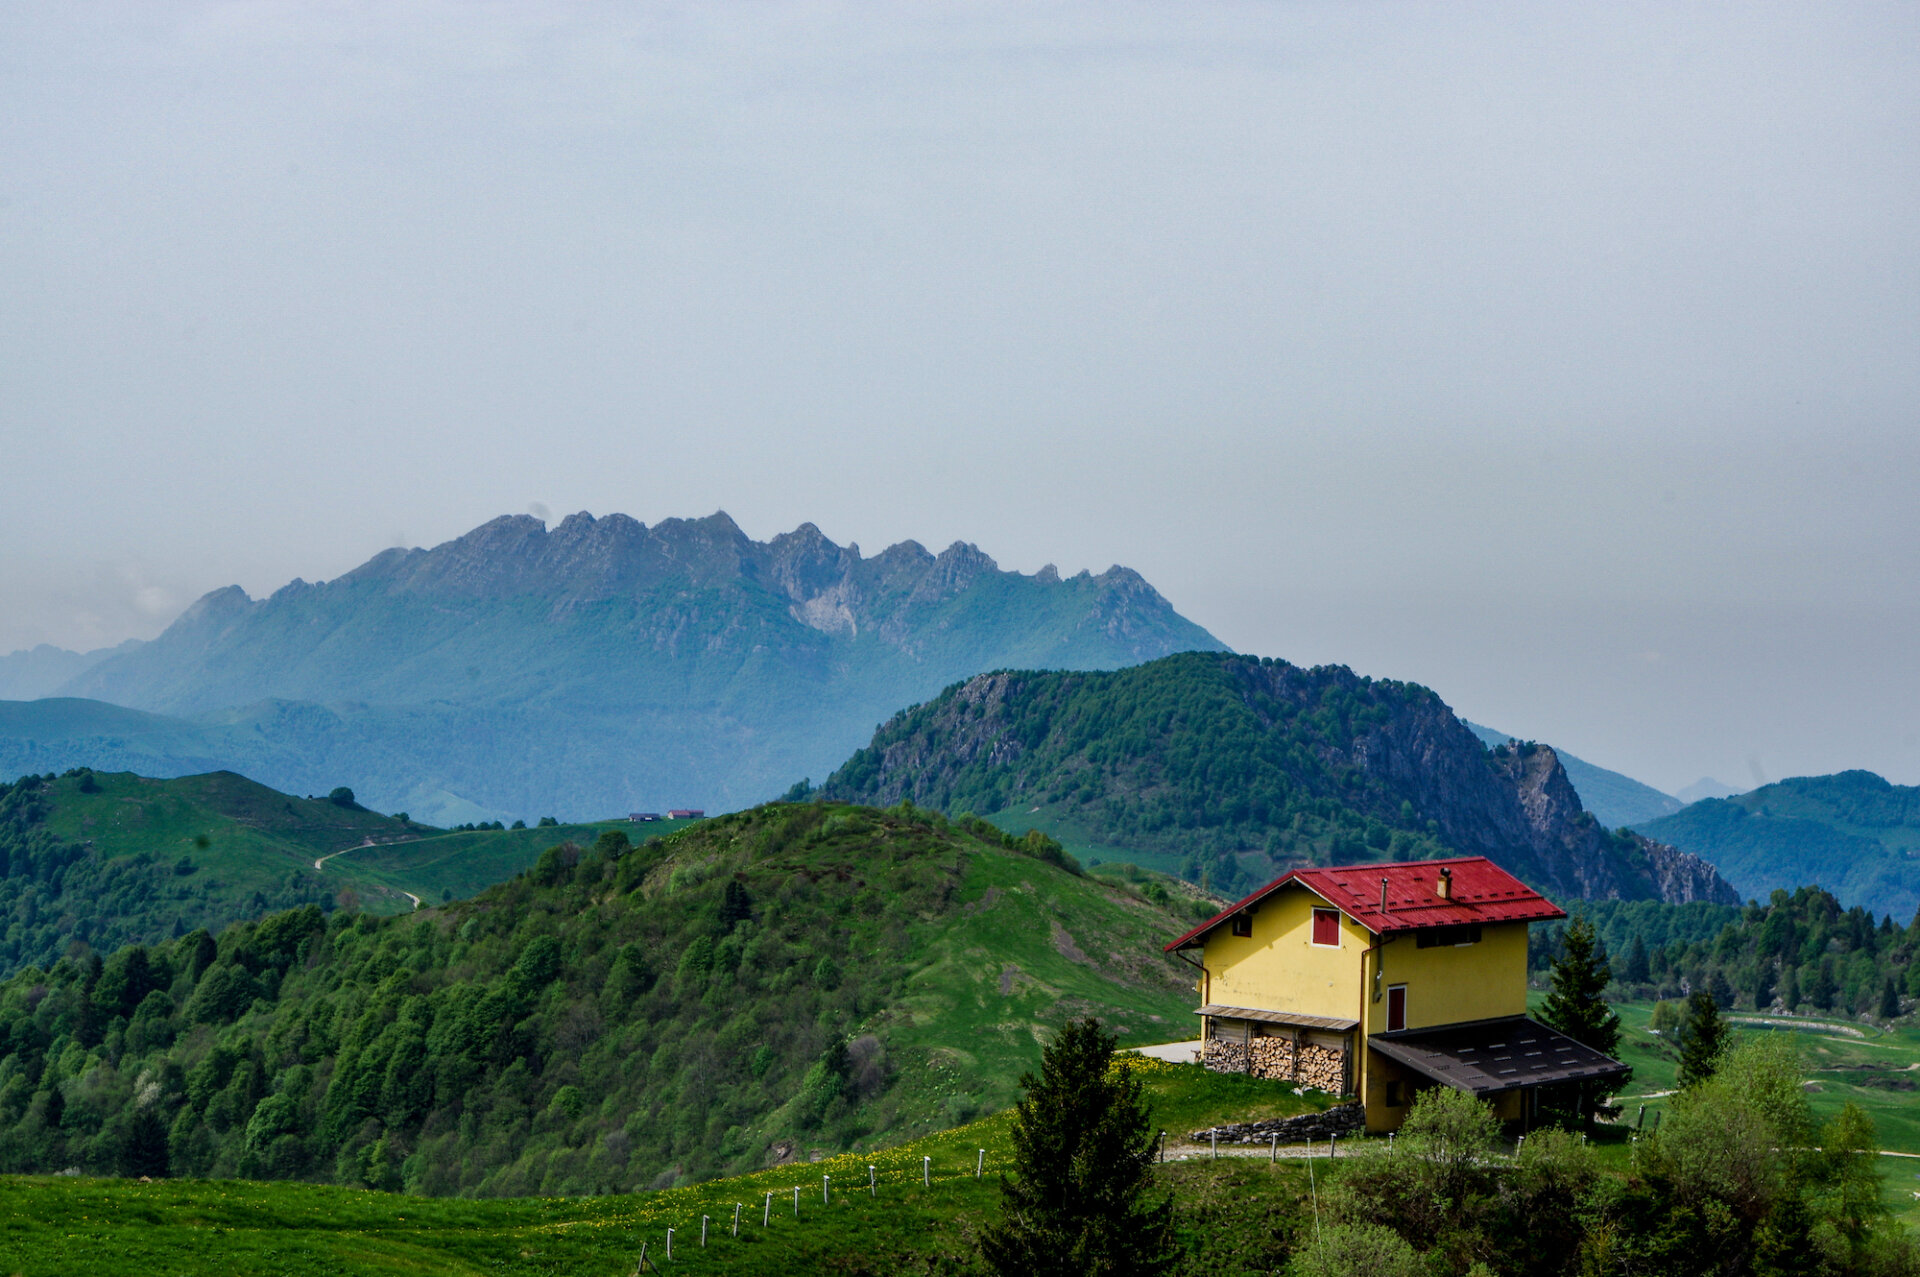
[{"x": 1320, "y": 1067}]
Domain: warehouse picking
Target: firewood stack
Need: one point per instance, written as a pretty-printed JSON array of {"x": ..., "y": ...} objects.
[{"x": 1320, "y": 1067}]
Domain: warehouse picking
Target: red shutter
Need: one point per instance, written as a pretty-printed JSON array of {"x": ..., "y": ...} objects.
[
  {"x": 1396, "y": 1007},
  {"x": 1326, "y": 926}
]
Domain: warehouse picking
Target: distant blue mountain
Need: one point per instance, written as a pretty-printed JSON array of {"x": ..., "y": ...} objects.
[
  {"x": 594, "y": 667},
  {"x": 1614, "y": 800},
  {"x": 34, "y": 672},
  {"x": 1854, "y": 833}
]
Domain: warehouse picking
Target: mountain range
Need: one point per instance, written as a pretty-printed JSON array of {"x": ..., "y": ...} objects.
[
  {"x": 590, "y": 668},
  {"x": 1234, "y": 768}
]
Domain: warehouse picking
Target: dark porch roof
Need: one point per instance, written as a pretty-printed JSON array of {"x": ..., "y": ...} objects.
[{"x": 1486, "y": 1057}]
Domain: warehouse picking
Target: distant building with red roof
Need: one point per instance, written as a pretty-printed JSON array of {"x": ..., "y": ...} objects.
[{"x": 1377, "y": 980}]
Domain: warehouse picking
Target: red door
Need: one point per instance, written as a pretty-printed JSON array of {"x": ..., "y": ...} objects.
[{"x": 1396, "y": 1007}]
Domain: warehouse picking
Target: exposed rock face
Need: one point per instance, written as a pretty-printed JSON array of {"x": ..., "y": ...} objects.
[{"x": 1231, "y": 753}]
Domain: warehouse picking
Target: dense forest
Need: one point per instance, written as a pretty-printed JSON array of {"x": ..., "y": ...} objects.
[
  {"x": 615, "y": 1017},
  {"x": 1800, "y": 951},
  {"x": 55, "y": 891}
]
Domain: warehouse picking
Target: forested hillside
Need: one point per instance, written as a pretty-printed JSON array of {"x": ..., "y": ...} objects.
[
  {"x": 1854, "y": 833},
  {"x": 1801, "y": 951},
  {"x": 790, "y": 978},
  {"x": 105, "y": 859},
  {"x": 1234, "y": 768},
  {"x": 110, "y": 858}
]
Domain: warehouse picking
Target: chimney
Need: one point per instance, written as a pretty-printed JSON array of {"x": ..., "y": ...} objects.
[
  {"x": 1383, "y": 896},
  {"x": 1444, "y": 888}
]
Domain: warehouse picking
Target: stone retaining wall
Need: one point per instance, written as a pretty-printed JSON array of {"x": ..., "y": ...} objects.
[{"x": 1342, "y": 1119}]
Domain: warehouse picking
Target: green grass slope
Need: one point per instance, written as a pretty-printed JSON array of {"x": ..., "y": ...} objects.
[
  {"x": 1234, "y": 1215},
  {"x": 117, "y": 858},
  {"x": 1854, "y": 833},
  {"x": 788, "y": 979}
]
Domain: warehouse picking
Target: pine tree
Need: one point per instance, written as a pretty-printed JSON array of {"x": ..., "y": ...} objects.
[
  {"x": 1635, "y": 970},
  {"x": 1702, "y": 1036},
  {"x": 1889, "y": 1000},
  {"x": 1577, "y": 1007},
  {"x": 1083, "y": 1150}
]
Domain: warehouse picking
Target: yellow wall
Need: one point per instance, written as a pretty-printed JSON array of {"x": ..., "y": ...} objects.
[
  {"x": 1279, "y": 969},
  {"x": 1448, "y": 984}
]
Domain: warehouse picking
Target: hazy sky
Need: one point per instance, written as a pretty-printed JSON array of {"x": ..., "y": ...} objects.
[{"x": 1564, "y": 360}]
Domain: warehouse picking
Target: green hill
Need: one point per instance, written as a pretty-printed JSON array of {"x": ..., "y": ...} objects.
[
  {"x": 593, "y": 667},
  {"x": 755, "y": 987},
  {"x": 115, "y": 858},
  {"x": 1235, "y": 768},
  {"x": 1853, "y": 833}
]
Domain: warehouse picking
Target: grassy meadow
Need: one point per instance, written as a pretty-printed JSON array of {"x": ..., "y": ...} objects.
[{"x": 1237, "y": 1214}]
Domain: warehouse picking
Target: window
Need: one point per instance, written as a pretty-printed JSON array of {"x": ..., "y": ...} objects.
[
  {"x": 1461, "y": 933},
  {"x": 1242, "y": 924},
  {"x": 1396, "y": 1094},
  {"x": 1396, "y": 1007},
  {"x": 1326, "y": 927}
]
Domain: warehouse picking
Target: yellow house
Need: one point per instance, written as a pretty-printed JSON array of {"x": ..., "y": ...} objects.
[{"x": 1377, "y": 980}]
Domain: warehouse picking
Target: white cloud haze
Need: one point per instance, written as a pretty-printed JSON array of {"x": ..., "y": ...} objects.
[{"x": 1560, "y": 358}]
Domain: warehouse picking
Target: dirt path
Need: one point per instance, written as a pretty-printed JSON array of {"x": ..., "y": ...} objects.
[{"x": 321, "y": 863}]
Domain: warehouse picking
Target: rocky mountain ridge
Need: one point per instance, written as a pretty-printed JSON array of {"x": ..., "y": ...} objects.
[
  {"x": 1243, "y": 766},
  {"x": 603, "y": 665}
]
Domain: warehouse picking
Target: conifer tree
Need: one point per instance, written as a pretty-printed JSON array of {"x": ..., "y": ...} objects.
[
  {"x": 1083, "y": 1148},
  {"x": 1635, "y": 970},
  {"x": 1577, "y": 1007},
  {"x": 1702, "y": 1035}
]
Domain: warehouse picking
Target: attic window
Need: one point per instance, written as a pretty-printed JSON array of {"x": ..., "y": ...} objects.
[
  {"x": 1326, "y": 927},
  {"x": 1242, "y": 925},
  {"x": 1461, "y": 933}
]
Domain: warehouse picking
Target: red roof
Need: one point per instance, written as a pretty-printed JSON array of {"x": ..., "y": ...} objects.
[{"x": 1482, "y": 892}]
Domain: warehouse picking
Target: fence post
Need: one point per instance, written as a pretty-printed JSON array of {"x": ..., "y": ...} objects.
[
  {"x": 980, "y": 1164},
  {"x": 796, "y": 1201},
  {"x": 1390, "y": 1135},
  {"x": 669, "y": 1243},
  {"x": 641, "y": 1267},
  {"x": 703, "y": 1232},
  {"x": 1216, "y": 1144},
  {"x": 824, "y": 1181},
  {"x": 736, "y": 1219},
  {"x": 766, "y": 1216},
  {"x": 1163, "y": 1146},
  {"x": 1641, "y": 1120},
  {"x": 873, "y": 1187},
  {"x": 1333, "y": 1145},
  {"x": 1273, "y": 1148},
  {"x": 926, "y": 1172}
]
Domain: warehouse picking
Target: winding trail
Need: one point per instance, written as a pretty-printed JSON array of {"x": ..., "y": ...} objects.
[{"x": 320, "y": 865}]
